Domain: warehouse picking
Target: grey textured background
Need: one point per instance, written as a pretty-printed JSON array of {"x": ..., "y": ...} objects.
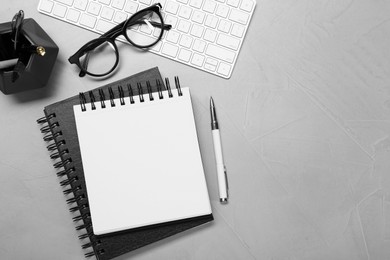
[{"x": 305, "y": 129}]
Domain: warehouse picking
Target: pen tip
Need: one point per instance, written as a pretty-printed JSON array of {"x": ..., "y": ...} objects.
[{"x": 211, "y": 101}]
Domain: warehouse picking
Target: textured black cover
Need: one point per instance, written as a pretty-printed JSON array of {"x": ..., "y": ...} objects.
[{"x": 61, "y": 132}]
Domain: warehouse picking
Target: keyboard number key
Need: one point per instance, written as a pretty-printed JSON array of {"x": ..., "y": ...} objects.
[{"x": 224, "y": 69}]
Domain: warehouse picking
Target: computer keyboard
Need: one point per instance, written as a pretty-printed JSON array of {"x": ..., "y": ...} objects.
[{"x": 205, "y": 34}]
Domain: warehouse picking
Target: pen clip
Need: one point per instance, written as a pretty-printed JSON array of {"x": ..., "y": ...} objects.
[{"x": 226, "y": 178}]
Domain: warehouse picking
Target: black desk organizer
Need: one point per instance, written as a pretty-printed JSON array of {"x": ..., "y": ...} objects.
[{"x": 36, "y": 69}]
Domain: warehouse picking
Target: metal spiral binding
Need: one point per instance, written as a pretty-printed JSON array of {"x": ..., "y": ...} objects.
[
  {"x": 122, "y": 95},
  {"x": 79, "y": 201},
  {"x": 140, "y": 92}
]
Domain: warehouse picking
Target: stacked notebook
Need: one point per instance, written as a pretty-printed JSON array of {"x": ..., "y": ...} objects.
[{"x": 128, "y": 154}]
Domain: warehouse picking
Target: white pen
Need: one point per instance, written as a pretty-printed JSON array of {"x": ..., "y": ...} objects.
[{"x": 221, "y": 169}]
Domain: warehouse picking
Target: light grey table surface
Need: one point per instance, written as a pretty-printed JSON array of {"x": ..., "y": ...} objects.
[{"x": 305, "y": 123}]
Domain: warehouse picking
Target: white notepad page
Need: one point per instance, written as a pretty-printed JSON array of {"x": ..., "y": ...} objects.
[{"x": 142, "y": 162}]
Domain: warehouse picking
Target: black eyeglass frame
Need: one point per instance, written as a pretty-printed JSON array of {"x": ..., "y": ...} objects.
[{"x": 112, "y": 34}]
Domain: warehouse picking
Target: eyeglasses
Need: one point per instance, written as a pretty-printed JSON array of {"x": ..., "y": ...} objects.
[{"x": 100, "y": 56}]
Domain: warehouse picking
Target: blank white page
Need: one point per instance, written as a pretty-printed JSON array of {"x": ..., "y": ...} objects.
[{"x": 142, "y": 162}]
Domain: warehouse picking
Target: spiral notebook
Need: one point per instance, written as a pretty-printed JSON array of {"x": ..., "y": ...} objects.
[
  {"x": 59, "y": 129},
  {"x": 141, "y": 159}
]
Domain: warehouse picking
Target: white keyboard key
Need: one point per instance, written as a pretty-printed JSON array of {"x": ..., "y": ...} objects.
[
  {"x": 220, "y": 53},
  {"x": 173, "y": 36},
  {"x": 224, "y": 26},
  {"x": 209, "y": 6},
  {"x": 183, "y": 1},
  {"x": 186, "y": 41},
  {"x": 199, "y": 45},
  {"x": 172, "y": 20},
  {"x": 59, "y": 10},
  {"x": 228, "y": 41},
  {"x": 185, "y": 55},
  {"x": 88, "y": 20},
  {"x": 196, "y": 3},
  {"x": 198, "y": 17},
  {"x": 247, "y": 5},
  {"x": 212, "y": 62},
  {"x": 197, "y": 30},
  {"x": 118, "y": 4},
  {"x": 107, "y": 13},
  {"x": 131, "y": 7},
  {"x": 73, "y": 15},
  {"x": 210, "y": 35},
  {"x": 185, "y": 12},
  {"x": 170, "y": 50},
  {"x": 120, "y": 17},
  {"x": 172, "y": 7},
  {"x": 233, "y": 3},
  {"x": 224, "y": 69},
  {"x": 238, "y": 30},
  {"x": 94, "y": 8},
  {"x": 222, "y": 11},
  {"x": 104, "y": 26},
  {"x": 197, "y": 59},
  {"x": 184, "y": 26},
  {"x": 65, "y": 2},
  {"x": 81, "y": 4},
  {"x": 239, "y": 17},
  {"x": 209, "y": 67},
  {"x": 46, "y": 6},
  {"x": 211, "y": 21}
]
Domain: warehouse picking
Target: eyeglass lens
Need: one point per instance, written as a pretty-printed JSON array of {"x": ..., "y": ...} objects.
[
  {"x": 146, "y": 30},
  {"x": 101, "y": 59}
]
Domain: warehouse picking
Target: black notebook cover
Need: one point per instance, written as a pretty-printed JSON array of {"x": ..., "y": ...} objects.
[{"x": 60, "y": 129}]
